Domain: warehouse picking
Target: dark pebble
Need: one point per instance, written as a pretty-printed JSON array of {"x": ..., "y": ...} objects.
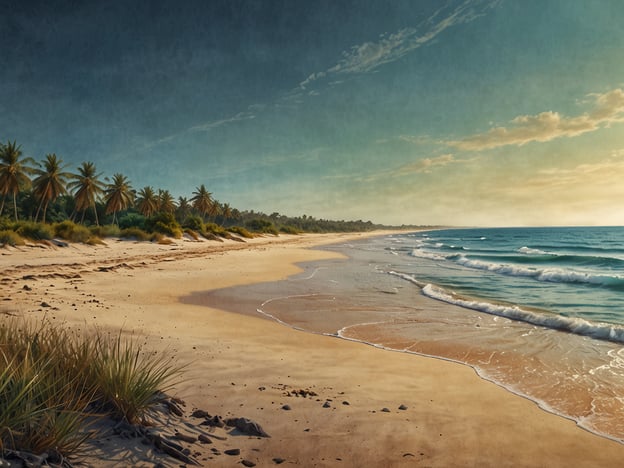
[
  {"x": 286, "y": 407},
  {"x": 326, "y": 405},
  {"x": 278, "y": 461},
  {"x": 232, "y": 452},
  {"x": 345, "y": 403},
  {"x": 248, "y": 463},
  {"x": 385, "y": 410},
  {"x": 402, "y": 407}
]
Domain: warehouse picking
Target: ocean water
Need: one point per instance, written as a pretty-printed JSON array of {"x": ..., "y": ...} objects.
[{"x": 539, "y": 311}]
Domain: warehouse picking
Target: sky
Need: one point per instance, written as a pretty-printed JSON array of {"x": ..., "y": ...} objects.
[{"x": 428, "y": 112}]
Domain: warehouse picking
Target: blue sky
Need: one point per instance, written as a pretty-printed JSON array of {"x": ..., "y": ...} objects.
[{"x": 471, "y": 112}]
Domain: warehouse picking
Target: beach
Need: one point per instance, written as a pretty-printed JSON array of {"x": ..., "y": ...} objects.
[{"x": 324, "y": 401}]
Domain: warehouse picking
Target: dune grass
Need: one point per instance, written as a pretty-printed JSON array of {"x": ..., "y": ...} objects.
[{"x": 53, "y": 381}]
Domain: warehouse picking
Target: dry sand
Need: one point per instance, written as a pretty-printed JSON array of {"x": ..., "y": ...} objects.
[{"x": 245, "y": 366}]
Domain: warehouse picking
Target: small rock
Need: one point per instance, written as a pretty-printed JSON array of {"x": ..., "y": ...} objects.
[
  {"x": 385, "y": 410},
  {"x": 286, "y": 407},
  {"x": 27, "y": 288},
  {"x": 248, "y": 463},
  {"x": 326, "y": 405},
  {"x": 45, "y": 304},
  {"x": 232, "y": 452},
  {"x": 185, "y": 437},
  {"x": 346, "y": 403},
  {"x": 402, "y": 407},
  {"x": 200, "y": 414},
  {"x": 278, "y": 461}
]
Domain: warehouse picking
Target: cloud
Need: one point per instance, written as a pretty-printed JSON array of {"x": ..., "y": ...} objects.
[
  {"x": 607, "y": 108},
  {"x": 218, "y": 123},
  {"x": 425, "y": 166},
  {"x": 369, "y": 56}
]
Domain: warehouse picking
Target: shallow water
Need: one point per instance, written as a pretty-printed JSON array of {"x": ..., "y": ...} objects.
[{"x": 375, "y": 297}]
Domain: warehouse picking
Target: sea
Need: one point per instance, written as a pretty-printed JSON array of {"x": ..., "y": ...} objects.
[{"x": 538, "y": 311}]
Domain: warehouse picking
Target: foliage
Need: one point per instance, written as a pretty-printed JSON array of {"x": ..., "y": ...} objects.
[
  {"x": 288, "y": 229},
  {"x": 132, "y": 220},
  {"x": 34, "y": 231},
  {"x": 164, "y": 223},
  {"x": 263, "y": 226},
  {"x": 73, "y": 232},
  {"x": 136, "y": 234},
  {"x": 52, "y": 379},
  {"x": 195, "y": 223},
  {"x": 241, "y": 231},
  {"x": 108, "y": 230},
  {"x": 12, "y": 238}
]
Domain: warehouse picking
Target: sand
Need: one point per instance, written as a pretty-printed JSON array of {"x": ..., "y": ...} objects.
[{"x": 362, "y": 406}]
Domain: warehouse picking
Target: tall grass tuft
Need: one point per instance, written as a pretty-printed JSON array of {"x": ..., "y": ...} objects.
[
  {"x": 129, "y": 380},
  {"x": 8, "y": 237},
  {"x": 53, "y": 381}
]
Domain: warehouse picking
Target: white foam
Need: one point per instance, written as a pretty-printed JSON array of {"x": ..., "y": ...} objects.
[{"x": 579, "y": 326}]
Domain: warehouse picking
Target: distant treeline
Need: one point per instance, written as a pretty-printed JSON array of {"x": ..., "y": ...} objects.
[{"x": 45, "y": 192}]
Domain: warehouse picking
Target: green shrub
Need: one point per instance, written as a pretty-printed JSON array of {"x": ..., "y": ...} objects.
[
  {"x": 164, "y": 223},
  {"x": 195, "y": 223},
  {"x": 72, "y": 232},
  {"x": 108, "y": 230},
  {"x": 262, "y": 226},
  {"x": 34, "y": 231},
  {"x": 132, "y": 220},
  {"x": 241, "y": 231},
  {"x": 8, "y": 237},
  {"x": 136, "y": 234},
  {"x": 290, "y": 230}
]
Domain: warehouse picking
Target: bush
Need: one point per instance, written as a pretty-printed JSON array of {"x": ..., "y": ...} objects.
[
  {"x": 195, "y": 223},
  {"x": 262, "y": 225},
  {"x": 109, "y": 230},
  {"x": 8, "y": 237},
  {"x": 164, "y": 223},
  {"x": 241, "y": 231},
  {"x": 132, "y": 220},
  {"x": 73, "y": 232},
  {"x": 136, "y": 234},
  {"x": 34, "y": 231},
  {"x": 290, "y": 230}
]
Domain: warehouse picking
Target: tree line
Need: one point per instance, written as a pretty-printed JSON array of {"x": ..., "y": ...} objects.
[{"x": 42, "y": 190}]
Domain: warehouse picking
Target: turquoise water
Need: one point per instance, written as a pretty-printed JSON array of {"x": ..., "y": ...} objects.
[{"x": 568, "y": 278}]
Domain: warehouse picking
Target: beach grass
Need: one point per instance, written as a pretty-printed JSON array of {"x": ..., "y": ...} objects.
[{"x": 54, "y": 381}]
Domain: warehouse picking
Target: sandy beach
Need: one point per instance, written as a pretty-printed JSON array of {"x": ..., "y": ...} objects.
[{"x": 324, "y": 401}]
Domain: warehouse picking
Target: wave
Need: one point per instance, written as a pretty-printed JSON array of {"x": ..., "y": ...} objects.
[
  {"x": 551, "y": 275},
  {"x": 539, "y": 273},
  {"x": 578, "y": 326}
]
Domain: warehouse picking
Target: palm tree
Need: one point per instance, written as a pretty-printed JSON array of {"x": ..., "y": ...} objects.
[
  {"x": 226, "y": 212},
  {"x": 86, "y": 188},
  {"x": 166, "y": 203},
  {"x": 118, "y": 195},
  {"x": 202, "y": 201},
  {"x": 184, "y": 209},
  {"x": 147, "y": 202},
  {"x": 14, "y": 171},
  {"x": 49, "y": 184}
]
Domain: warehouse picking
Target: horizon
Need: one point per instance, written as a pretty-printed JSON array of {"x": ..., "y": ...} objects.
[{"x": 486, "y": 113}]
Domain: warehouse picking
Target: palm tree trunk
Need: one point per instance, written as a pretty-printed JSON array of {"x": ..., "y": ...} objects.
[
  {"x": 2, "y": 206},
  {"x": 15, "y": 205},
  {"x": 97, "y": 222}
]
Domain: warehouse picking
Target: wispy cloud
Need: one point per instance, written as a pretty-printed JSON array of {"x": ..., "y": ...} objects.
[
  {"x": 607, "y": 108},
  {"x": 426, "y": 165},
  {"x": 203, "y": 127},
  {"x": 369, "y": 56}
]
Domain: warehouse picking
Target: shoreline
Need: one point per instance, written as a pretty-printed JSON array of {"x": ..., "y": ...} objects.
[{"x": 453, "y": 416}]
